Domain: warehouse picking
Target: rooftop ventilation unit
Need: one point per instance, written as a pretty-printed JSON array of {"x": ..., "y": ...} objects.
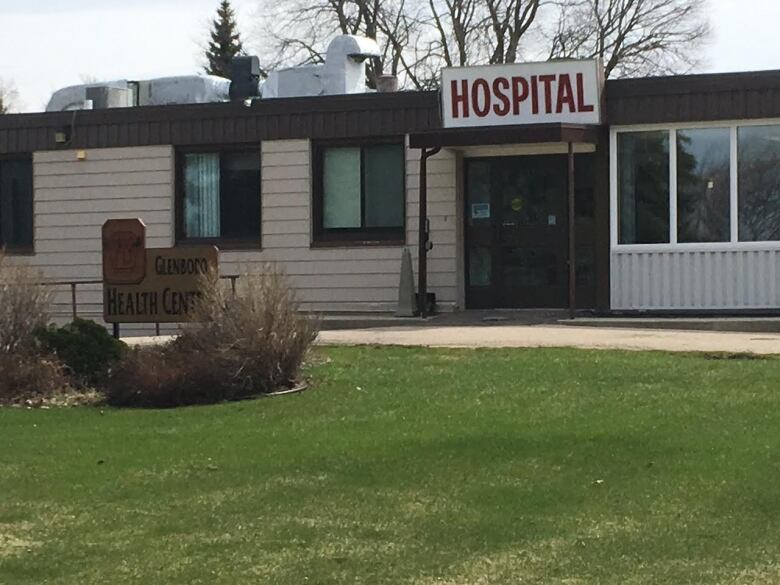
[
  {"x": 344, "y": 71},
  {"x": 190, "y": 89}
]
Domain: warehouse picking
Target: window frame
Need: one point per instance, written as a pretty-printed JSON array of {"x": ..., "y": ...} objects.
[
  {"x": 733, "y": 244},
  {"x": 23, "y": 249},
  {"x": 322, "y": 237},
  {"x": 223, "y": 243}
]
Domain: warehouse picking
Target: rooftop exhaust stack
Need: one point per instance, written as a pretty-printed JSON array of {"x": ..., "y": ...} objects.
[
  {"x": 387, "y": 84},
  {"x": 244, "y": 77},
  {"x": 344, "y": 71}
]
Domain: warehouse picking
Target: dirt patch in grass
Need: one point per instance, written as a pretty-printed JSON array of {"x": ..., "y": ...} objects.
[{"x": 17, "y": 539}]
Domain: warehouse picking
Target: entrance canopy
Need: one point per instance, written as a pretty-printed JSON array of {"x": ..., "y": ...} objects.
[
  {"x": 490, "y": 136},
  {"x": 431, "y": 142}
]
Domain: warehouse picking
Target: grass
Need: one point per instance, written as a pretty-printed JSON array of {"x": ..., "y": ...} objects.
[{"x": 407, "y": 466}]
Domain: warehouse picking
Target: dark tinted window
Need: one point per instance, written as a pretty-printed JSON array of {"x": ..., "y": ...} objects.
[
  {"x": 759, "y": 183},
  {"x": 704, "y": 185},
  {"x": 221, "y": 195},
  {"x": 16, "y": 204},
  {"x": 643, "y": 187},
  {"x": 240, "y": 195}
]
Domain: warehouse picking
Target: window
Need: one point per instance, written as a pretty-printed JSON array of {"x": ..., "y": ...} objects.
[
  {"x": 704, "y": 185},
  {"x": 220, "y": 196},
  {"x": 16, "y": 204},
  {"x": 759, "y": 183},
  {"x": 359, "y": 193},
  {"x": 725, "y": 192},
  {"x": 643, "y": 187}
]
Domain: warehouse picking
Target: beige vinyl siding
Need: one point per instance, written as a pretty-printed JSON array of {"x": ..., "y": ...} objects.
[
  {"x": 351, "y": 278},
  {"x": 74, "y": 198}
]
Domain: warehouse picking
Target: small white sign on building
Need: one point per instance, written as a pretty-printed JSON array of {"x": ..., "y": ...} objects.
[{"x": 522, "y": 93}]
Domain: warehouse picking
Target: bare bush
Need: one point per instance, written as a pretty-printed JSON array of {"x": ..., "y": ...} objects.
[
  {"x": 30, "y": 379},
  {"x": 165, "y": 377},
  {"x": 243, "y": 343},
  {"x": 24, "y": 304}
]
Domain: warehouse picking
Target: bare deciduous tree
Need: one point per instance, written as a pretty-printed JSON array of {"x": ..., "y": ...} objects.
[
  {"x": 480, "y": 31},
  {"x": 297, "y": 32},
  {"x": 419, "y": 37},
  {"x": 632, "y": 37},
  {"x": 9, "y": 97},
  {"x": 416, "y": 37}
]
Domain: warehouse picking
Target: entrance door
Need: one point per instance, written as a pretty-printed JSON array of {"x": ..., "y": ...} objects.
[{"x": 517, "y": 231}]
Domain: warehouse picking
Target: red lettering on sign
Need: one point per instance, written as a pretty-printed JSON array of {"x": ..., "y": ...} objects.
[
  {"x": 483, "y": 109},
  {"x": 461, "y": 98},
  {"x": 500, "y": 85},
  {"x": 565, "y": 94},
  {"x": 581, "y": 105},
  {"x": 496, "y": 96},
  {"x": 547, "y": 83},
  {"x": 519, "y": 93}
]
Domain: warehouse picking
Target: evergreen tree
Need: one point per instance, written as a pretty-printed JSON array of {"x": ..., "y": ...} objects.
[{"x": 225, "y": 41}]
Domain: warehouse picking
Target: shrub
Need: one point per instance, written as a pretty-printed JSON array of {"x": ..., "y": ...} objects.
[
  {"x": 166, "y": 376},
  {"x": 24, "y": 305},
  {"x": 28, "y": 378},
  {"x": 239, "y": 345},
  {"x": 85, "y": 347}
]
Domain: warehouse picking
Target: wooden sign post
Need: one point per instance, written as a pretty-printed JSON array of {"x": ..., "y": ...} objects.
[{"x": 170, "y": 278}]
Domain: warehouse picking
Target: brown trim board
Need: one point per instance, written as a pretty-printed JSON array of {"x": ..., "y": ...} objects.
[{"x": 528, "y": 134}]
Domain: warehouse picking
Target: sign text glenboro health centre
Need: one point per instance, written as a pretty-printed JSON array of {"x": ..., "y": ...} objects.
[{"x": 522, "y": 93}]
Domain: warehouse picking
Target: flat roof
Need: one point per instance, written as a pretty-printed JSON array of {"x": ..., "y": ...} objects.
[{"x": 670, "y": 99}]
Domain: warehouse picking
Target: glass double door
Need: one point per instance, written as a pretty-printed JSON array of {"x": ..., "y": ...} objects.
[{"x": 517, "y": 230}]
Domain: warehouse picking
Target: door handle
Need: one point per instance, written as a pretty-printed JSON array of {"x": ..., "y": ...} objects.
[{"x": 509, "y": 223}]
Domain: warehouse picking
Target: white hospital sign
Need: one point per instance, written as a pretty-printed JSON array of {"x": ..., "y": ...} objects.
[{"x": 522, "y": 93}]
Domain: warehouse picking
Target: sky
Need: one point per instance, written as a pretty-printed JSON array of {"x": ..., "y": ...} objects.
[{"x": 49, "y": 44}]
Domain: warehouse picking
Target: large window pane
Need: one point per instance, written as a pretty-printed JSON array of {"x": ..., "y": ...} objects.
[
  {"x": 384, "y": 185},
  {"x": 643, "y": 187},
  {"x": 341, "y": 188},
  {"x": 222, "y": 195},
  {"x": 704, "y": 185},
  {"x": 759, "y": 183},
  {"x": 16, "y": 203},
  {"x": 240, "y": 198},
  {"x": 201, "y": 195}
]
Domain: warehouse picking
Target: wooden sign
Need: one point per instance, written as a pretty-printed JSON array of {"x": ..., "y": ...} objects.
[
  {"x": 166, "y": 294},
  {"x": 124, "y": 251}
]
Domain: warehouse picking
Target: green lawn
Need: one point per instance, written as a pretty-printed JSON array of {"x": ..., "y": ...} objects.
[{"x": 410, "y": 466}]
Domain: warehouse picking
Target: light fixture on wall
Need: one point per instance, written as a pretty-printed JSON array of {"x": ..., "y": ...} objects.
[{"x": 81, "y": 155}]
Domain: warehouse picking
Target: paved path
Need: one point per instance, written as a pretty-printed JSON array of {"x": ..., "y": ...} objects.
[{"x": 557, "y": 336}]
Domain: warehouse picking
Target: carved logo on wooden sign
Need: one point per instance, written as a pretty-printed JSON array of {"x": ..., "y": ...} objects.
[{"x": 124, "y": 251}]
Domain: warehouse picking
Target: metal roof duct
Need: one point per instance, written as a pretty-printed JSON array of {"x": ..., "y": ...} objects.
[
  {"x": 188, "y": 89},
  {"x": 344, "y": 71}
]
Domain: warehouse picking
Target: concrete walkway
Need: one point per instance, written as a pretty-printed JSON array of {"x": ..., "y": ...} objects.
[{"x": 557, "y": 336}]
